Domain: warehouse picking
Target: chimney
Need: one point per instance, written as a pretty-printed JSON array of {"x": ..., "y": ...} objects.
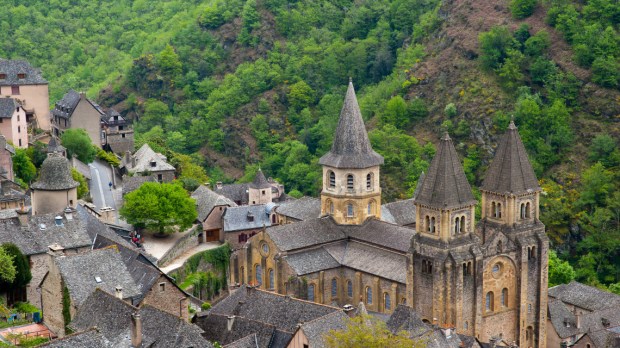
[
  {"x": 136, "y": 330},
  {"x": 6, "y": 187},
  {"x": 58, "y": 220},
  {"x": 22, "y": 216},
  {"x": 578, "y": 319},
  {"x": 230, "y": 322},
  {"x": 349, "y": 310},
  {"x": 119, "y": 292},
  {"x": 68, "y": 213},
  {"x": 2, "y": 142},
  {"x": 218, "y": 185}
]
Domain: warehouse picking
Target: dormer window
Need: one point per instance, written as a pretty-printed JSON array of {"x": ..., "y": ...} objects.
[
  {"x": 21, "y": 76},
  {"x": 153, "y": 164},
  {"x": 2, "y": 76}
]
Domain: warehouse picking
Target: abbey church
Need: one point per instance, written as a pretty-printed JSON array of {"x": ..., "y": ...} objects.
[{"x": 484, "y": 278}]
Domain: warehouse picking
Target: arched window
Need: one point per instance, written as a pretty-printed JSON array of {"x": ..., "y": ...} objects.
[
  {"x": 457, "y": 225},
  {"x": 489, "y": 301},
  {"x": 259, "y": 275},
  {"x": 505, "y": 297},
  {"x": 350, "y": 181},
  {"x": 432, "y": 227},
  {"x": 332, "y": 179},
  {"x": 311, "y": 292},
  {"x": 387, "y": 301},
  {"x": 499, "y": 210},
  {"x": 271, "y": 280},
  {"x": 462, "y": 229},
  {"x": 494, "y": 209},
  {"x": 368, "y": 295},
  {"x": 371, "y": 207},
  {"x": 350, "y": 210},
  {"x": 428, "y": 224},
  {"x": 369, "y": 181},
  {"x": 349, "y": 289},
  {"x": 527, "y": 211},
  {"x": 334, "y": 288},
  {"x": 522, "y": 210},
  {"x": 331, "y": 207}
]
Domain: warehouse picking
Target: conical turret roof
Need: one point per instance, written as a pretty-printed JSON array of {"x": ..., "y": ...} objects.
[
  {"x": 445, "y": 185},
  {"x": 55, "y": 175},
  {"x": 510, "y": 171},
  {"x": 351, "y": 147},
  {"x": 260, "y": 182}
]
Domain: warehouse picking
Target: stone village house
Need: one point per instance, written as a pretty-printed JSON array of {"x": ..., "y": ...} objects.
[
  {"x": 13, "y": 122},
  {"x": 486, "y": 279}
]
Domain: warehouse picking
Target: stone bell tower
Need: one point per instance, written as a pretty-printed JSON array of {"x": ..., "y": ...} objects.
[{"x": 351, "y": 191}]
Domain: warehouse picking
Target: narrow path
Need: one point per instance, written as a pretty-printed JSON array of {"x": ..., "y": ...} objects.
[
  {"x": 180, "y": 260},
  {"x": 95, "y": 174}
]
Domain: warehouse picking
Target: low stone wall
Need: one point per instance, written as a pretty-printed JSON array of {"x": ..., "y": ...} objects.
[{"x": 182, "y": 245}]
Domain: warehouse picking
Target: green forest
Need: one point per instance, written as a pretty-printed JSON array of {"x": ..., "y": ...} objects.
[{"x": 231, "y": 85}]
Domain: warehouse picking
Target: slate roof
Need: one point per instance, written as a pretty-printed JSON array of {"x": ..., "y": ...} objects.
[
  {"x": 310, "y": 261},
  {"x": 584, "y": 296},
  {"x": 42, "y": 231},
  {"x": 351, "y": 147},
  {"x": 54, "y": 146},
  {"x": 238, "y": 218},
  {"x": 316, "y": 329},
  {"x": 64, "y": 107},
  {"x": 405, "y": 318},
  {"x": 215, "y": 328},
  {"x": 96, "y": 229},
  {"x": 13, "y": 67},
  {"x": 55, "y": 175},
  {"x": 301, "y": 209},
  {"x": 445, "y": 186},
  {"x": 559, "y": 315},
  {"x": 144, "y": 156},
  {"x": 249, "y": 341},
  {"x": 79, "y": 272},
  {"x": 84, "y": 339},
  {"x": 8, "y": 107},
  {"x": 235, "y": 192},
  {"x": 402, "y": 212},
  {"x": 375, "y": 261},
  {"x": 281, "y": 311},
  {"x": 132, "y": 183},
  {"x": 206, "y": 200},
  {"x": 510, "y": 171},
  {"x": 112, "y": 317},
  {"x": 382, "y": 233},
  {"x": 260, "y": 182},
  {"x": 305, "y": 233}
]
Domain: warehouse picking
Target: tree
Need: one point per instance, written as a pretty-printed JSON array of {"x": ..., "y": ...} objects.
[
  {"x": 396, "y": 112},
  {"x": 23, "y": 166},
  {"x": 522, "y": 8},
  {"x": 169, "y": 63},
  {"x": 368, "y": 332},
  {"x": 20, "y": 263},
  {"x": 77, "y": 142},
  {"x": 161, "y": 208},
  {"x": 597, "y": 183},
  {"x": 82, "y": 190},
  {"x": 494, "y": 45},
  {"x": 300, "y": 95},
  {"x": 7, "y": 268},
  {"x": 560, "y": 272},
  {"x": 606, "y": 71},
  {"x": 604, "y": 149}
]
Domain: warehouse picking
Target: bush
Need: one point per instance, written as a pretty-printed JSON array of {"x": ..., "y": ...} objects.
[
  {"x": 605, "y": 72},
  {"x": 450, "y": 110},
  {"x": 205, "y": 306},
  {"x": 522, "y": 8},
  {"x": 108, "y": 157}
]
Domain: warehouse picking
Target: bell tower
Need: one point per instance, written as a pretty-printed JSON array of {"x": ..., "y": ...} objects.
[{"x": 351, "y": 191}]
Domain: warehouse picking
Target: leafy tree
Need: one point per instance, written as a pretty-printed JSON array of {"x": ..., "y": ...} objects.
[
  {"x": 82, "y": 189},
  {"x": 7, "y": 267},
  {"x": 538, "y": 44},
  {"x": 605, "y": 150},
  {"x": 161, "y": 208},
  {"x": 23, "y": 167},
  {"x": 300, "y": 95},
  {"x": 494, "y": 46},
  {"x": 606, "y": 71},
  {"x": 21, "y": 264},
  {"x": 522, "y": 8},
  {"x": 169, "y": 63},
  {"x": 596, "y": 185},
  {"x": 77, "y": 142},
  {"x": 396, "y": 112},
  {"x": 450, "y": 110},
  {"x": 365, "y": 331},
  {"x": 37, "y": 153},
  {"x": 560, "y": 272}
]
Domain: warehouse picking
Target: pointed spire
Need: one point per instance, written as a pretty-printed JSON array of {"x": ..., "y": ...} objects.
[
  {"x": 418, "y": 187},
  {"x": 351, "y": 147},
  {"x": 510, "y": 171},
  {"x": 260, "y": 182},
  {"x": 445, "y": 185}
]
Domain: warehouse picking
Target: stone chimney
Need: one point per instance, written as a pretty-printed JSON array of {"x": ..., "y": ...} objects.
[
  {"x": 136, "y": 330},
  {"x": 119, "y": 292},
  {"x": 230, "y": 322},
  {"x": 68, "y": 213},
  {"x": 58, "y": 220},
  {"x": 2, "y": 142},
  {"x": 578, "y": 319},
  {"x": 22, "y": 216}
]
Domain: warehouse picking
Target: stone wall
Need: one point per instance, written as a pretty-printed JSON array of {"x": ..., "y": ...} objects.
[
  {"x": 166, "y": 296},
  {"x": 182, "y": 245}
]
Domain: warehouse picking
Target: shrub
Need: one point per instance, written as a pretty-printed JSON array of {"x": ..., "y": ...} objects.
[
  {"x": 205, "y": 306},
  {"x": 522, "y": 8},
  {"x": 450, "y": 110},
  {"x": 108, "y": 157},
  {"x": 605, "y": 72}
]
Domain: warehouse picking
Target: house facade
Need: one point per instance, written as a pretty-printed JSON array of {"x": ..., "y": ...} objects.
[
  {"x": 13, "y": 123},
  {"x": 74, "y": 110},
  {"x": 117, "y": 132},
  {"x": 486, "y": 279},
  {"x": 19, "y": 80}
]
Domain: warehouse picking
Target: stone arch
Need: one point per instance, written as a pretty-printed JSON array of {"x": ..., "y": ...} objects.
[{"x": 500, "y": 278}]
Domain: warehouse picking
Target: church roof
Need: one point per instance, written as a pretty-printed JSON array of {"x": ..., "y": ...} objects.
[
  {"x": 305, "y": 208},
  {"x": 351, "y": 147},
  {"x": 55, "y": 175},
  {"x": 510, "y": 171},
  {"x": 445, "y": 185},
  {"x": 260, "y": 182}
]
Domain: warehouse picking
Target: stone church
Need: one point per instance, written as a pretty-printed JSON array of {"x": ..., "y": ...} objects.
[{"x": 484, "y": 278}]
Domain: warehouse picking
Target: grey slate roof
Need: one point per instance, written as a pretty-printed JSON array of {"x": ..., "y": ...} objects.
[
  {"x": 112, "y": 317},
  {"x": 445, "y": 186},
  {"x": 559, "y": 315},
  {"x": 405, "y": 318},
  {"x": 144, "y": 156},
  {"x": 206, "y": 200},
  {"x": 301, "y": 209},
  {"x": 260, "y": 182},
  {"x": 402, "y": 212},
  {"x": 584, "y": 296},
  {"x": 243, "y": 331},
  {"x": 64, "y": 107},
  {"x": 13, "y": 67},
  {"x": 382, "y": 233},
  {"x": 55, "y": 175},
  {"x": 351, "y": 147},
  {"x": 84, "y": 339},
  {"x": 245, "y": 217},
  {"x": 249, "y": 341},
  {"x": 54, "y": 146},
  {"x": 235, "y": 192},
  {"x": 8, "y": 107},
  {"x": 316, "y": 329},
  {"x": 132, "y": 183},
  {"x": 375, "y": 261},
  {"x": 306, "y": 233},
  {"x": 97, "y": 230},
  {"x": 41, "y": 232},
  {"x": 510, "y": 171},
  {"x": 310, "y": 261},
  {"x": 79, "y": 272}
]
